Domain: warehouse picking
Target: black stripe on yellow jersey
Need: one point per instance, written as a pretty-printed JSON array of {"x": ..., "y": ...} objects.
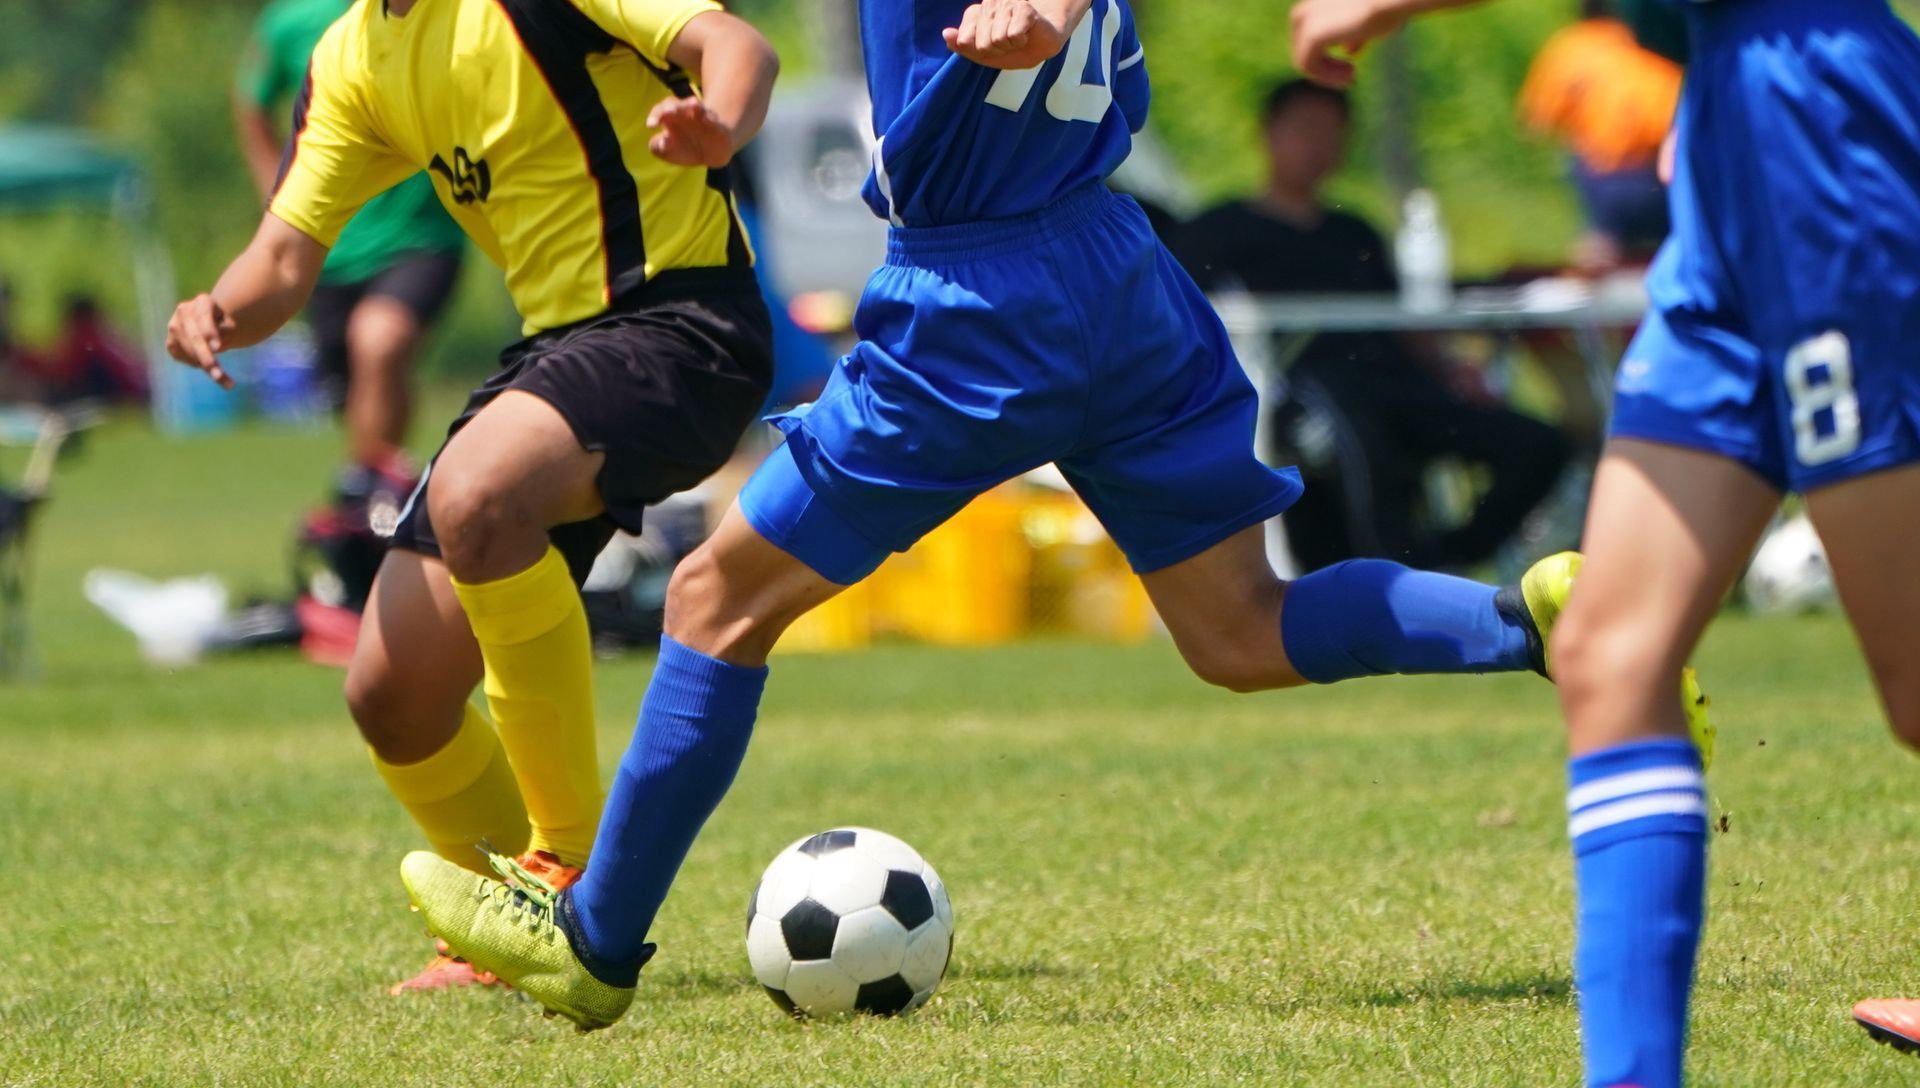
[{"x": 560, "y": 47}]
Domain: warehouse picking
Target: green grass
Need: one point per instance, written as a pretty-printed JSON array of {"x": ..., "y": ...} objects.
[{"x": 1156, "y": 883}]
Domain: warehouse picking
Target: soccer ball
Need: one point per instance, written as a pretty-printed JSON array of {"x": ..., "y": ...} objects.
[
  {"x": 1789, "y": 572},
  {"x": 849, "y": 920}
]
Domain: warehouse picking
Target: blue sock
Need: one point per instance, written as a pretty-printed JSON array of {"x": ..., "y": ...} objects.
[
  {"x": 1370, "y": 617},
  {"x": 692, "y": 735},
  {"x": 1638, "y": 821}
]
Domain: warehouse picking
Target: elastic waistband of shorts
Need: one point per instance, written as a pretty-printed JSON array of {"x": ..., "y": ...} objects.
[
  {"x": 1724, "y": 22},
  {"x": 994, "y": 237}
]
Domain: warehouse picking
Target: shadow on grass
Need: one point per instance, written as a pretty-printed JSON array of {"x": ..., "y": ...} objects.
[
  {"x": 689, "y": 985},
  {"x": 692, "y": 984},
  {"x": 1539, "y": 986}
]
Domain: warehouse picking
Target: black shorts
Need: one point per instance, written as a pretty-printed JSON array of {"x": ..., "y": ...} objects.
[
  {"x": 423, "y": 282},
  {"x": 664, "y": 385}
]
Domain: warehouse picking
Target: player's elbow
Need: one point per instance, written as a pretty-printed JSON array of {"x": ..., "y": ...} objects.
[{"x": 721, "y": 46}]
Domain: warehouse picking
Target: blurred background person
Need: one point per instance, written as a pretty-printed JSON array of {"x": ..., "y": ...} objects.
[
  {"x": 384, "y": 284},
  {"x": 22, "y": 373},
  {"x": 92, "y": 360},
  {"x": 1384, "y": 406},
  {"x": 1611, "y": 101}
]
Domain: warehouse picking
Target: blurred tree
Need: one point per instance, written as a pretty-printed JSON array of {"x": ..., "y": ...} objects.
[{"x": 155, "y": 76}]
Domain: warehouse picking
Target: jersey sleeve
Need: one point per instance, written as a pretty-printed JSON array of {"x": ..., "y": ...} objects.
[
  {"x": 650, "y": 26},
  {"x": 1132, "y": 91},
  {"x": 335, "y": 160}
]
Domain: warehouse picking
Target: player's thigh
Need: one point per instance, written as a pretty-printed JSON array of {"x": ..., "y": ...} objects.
[
  {"x": 1222, "y": 608},
  {"x": 1869, "y": 526},
  {"x": 1667, "y": 532},
  {"x": 415, "y": 664}
]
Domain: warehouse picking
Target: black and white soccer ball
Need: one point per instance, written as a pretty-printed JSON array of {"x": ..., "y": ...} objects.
[
  {"x": 849, "y": 920},
  {"x": 1789, "y": 572}
]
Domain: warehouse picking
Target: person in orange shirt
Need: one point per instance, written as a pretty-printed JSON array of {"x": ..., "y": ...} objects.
[{"x": 1612, "y": 102}]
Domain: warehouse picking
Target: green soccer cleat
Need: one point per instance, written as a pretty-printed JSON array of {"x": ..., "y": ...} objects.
[
  {"x": 1537, "y": 602},
  {"x": 512, "y": 928}
]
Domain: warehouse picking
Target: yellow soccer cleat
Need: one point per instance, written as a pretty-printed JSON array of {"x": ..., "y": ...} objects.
[
  {"x": 1544, "y": 589},
  {"x": 1696, "y": 703},
  {"x": 1538, "y": 601},
  {"x": 513, "y": 929}
]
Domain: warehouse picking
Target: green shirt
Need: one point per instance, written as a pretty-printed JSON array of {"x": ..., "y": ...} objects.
[{"x": 405, "y": 219}]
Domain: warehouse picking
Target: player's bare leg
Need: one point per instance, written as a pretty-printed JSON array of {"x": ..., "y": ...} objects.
[
  {"x": 511, "y": 474},
  {"x": 1668, "y": 531},
  {"x": 382, "y": 338},
  {"x": 415, "y": 665},
  {"x": 737, "y": 593},
  {"x": 1223, "y": 609},
  {"x": 1869, "y": 525}
]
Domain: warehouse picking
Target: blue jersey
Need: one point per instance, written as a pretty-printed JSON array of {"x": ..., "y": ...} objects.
[{"x": 960, "y": 142}]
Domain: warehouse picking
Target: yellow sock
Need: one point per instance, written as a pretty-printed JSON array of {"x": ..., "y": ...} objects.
[
  {"x": 463, "y": 795},
  {"x": 532, "y": 631}
]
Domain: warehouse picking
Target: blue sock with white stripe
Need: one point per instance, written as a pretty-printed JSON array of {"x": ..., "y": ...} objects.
[
  {"x": 1371, "y": 617},
  {"x": 1637, "y": 815}
]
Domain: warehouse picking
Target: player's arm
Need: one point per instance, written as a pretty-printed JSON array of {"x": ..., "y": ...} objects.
[
  {"x": 735, "y": 66},
  {"x": 1016, "y": 34},
  {"x": 1323, "y": 29},
  {"x": 263, "y": 83},
  {"x": 259, "y": 292}
]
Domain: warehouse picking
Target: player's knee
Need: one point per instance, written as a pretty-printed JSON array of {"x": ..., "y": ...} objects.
[
  {"x": 1599, "y": 661},
  {"x": 381, "y": 336},
  {"x": 1236, "y": 672},
  {"x": 1233, "y": 657},
  {"x": 1578, "y": 655},
  {"x": 472, "y": 517}
]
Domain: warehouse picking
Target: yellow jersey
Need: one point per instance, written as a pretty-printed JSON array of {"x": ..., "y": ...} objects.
[{"x": 530, "y": 116}]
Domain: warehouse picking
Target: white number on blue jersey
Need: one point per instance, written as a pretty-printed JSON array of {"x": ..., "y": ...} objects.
[
  {"x": 1070, "y": 99},
  {"x": 1820, "y": 384}
]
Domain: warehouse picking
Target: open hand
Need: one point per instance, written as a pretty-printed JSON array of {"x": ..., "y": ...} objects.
[
  {"x": 690, "y": 134},
  {"x": 1006, "y": 34},
  {"x": 195, "y": 336},
  {"x": 1323, "y": 30}
]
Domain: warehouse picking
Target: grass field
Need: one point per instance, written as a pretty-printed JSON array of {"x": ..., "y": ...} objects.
[{"x": 1156, "y": 883}]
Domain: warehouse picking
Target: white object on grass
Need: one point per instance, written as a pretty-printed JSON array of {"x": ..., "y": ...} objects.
[{"x": 172, "y": 620}]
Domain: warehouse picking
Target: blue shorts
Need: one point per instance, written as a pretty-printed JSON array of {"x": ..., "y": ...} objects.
[
  {"x": 989, "y": 349},
  {"x": 1785, "y": 331}
]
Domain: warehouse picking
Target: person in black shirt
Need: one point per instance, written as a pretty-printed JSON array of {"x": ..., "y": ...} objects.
[{"x": 1365, "y": 413}]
